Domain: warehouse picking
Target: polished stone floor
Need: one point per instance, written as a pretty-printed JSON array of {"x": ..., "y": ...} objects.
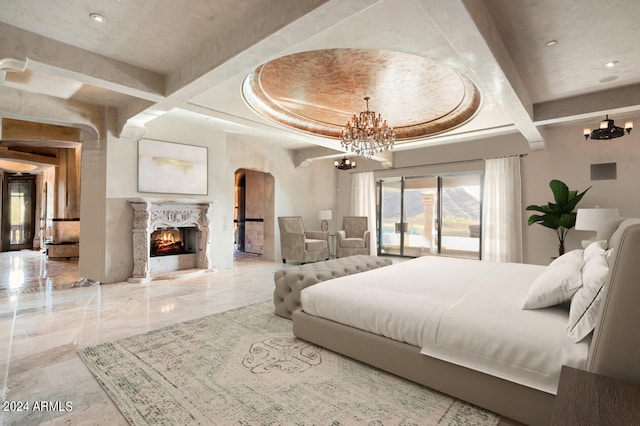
[
  {"x": 43, "y": 323},
  {"x": 41, "y": 331},
  {"x": 29, "y": 270}
]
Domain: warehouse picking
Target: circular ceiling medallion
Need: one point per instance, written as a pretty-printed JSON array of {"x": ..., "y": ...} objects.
[{"x": 319, "y": 91}]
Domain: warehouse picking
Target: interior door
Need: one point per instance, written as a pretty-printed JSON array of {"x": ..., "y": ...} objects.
[{"x": 18, "y": 222}]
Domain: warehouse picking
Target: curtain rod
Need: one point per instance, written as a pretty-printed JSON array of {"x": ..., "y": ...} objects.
[{"x": 444, "y": 163}]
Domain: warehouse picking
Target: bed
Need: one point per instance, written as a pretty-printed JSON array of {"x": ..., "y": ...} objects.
[{"x": 461, "y": 327}]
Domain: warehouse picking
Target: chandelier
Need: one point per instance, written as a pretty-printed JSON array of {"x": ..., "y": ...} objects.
[
  {"x": 608, "y": 130},
  {"x": 366, "y": 134},
  {"x": 345, "y": 164}
]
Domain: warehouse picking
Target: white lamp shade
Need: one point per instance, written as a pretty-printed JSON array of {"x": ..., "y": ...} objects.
[
  {"x": 591, "y": 219},
  {"x": 324, "y": 215}
]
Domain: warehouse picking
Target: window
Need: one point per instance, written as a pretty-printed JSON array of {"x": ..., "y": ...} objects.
[{"x": 430, "y": 215}]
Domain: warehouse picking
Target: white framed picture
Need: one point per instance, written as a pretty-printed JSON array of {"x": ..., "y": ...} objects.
[{"x": 171, "y": 168}]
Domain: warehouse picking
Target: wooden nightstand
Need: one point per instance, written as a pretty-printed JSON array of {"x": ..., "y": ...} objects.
[{"x": 591, "y": 399}]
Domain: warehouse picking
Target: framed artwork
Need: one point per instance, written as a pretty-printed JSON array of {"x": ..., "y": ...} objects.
[{"x": 171, "y": 168}]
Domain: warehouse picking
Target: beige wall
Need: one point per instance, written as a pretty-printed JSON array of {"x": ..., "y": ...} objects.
[
  {"x": 111, "y": 180},
  {"x": 567, "y": 157}
]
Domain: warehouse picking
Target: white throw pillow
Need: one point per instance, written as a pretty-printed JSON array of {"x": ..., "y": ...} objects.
[
  {"x": 558, "y": 283},
  {"x": 586, "y": 302},
  {"x": 594, "y": 249},
  {"x": 571, "y": 256}
]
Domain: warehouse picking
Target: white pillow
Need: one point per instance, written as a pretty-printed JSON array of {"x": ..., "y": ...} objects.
[
  {"x": 586, "y": 301},
  {"x": 571, "y": 256},
  {"x": 558, "y": 283},
  {"x": 594, "y": 249}
]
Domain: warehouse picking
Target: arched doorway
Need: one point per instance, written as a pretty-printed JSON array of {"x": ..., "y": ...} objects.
[{"x": 254, "y": 213}]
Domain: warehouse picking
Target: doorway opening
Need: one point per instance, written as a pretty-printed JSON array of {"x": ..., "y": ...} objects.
[{"x": 254, "y": 213}]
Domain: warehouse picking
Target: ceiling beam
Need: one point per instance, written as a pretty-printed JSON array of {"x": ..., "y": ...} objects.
[
  {"x": 26, "y": 157},
  {"x": 593, "y": 105},
  {"x": 269, "y": 36},
  {"x": 19, "y": 129},
  {"x": 62, "y": 60},
  {"x": 468, "y": 27},
  {"x": 27, "y": 106}
]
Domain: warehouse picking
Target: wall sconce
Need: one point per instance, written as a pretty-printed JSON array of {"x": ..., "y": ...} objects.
[{"x": 608, "y": 130}]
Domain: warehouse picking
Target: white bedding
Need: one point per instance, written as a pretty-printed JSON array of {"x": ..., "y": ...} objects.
[{"x": 466, "y": 312}]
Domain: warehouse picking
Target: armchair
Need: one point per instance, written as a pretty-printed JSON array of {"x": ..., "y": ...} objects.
[
  {"x": 354, "y": 238},
  {"x": 299, "y": 245}
]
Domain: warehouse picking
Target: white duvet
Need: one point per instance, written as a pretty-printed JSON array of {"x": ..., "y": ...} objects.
[{"x": 467, "y": 312}]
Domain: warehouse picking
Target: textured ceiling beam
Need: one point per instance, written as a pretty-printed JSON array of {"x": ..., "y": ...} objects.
[
  {"x": 59, "y": 59},
  {"x": 469, "y": 28},
  {"x": 265, "y": 23},
  {"x": 23, "y": 105},
  {"x": 593, "y": 105},
  {"x": 304, "y": 156},
  {"x": 7, "y": 154},
  {"x": 216, "y": 62}
]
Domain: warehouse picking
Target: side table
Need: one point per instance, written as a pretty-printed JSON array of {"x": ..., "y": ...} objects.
[
  {"x": 586, "y": 398},
  {"x": 332, "y": 245}
]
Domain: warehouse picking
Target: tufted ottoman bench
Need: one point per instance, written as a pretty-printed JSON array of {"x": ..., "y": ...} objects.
[{"x": 291, "y": 281}]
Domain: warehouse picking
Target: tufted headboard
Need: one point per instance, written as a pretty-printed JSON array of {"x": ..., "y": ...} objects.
[{"x": 615, "y": 345}]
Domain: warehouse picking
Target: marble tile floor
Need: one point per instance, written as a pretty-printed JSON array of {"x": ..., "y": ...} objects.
[
  {"x": 30, "y": 270},
  {"x": 41, "y": 331}
]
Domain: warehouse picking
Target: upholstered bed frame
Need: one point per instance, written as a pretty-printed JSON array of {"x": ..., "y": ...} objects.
[{"x": 614, "y": 349}]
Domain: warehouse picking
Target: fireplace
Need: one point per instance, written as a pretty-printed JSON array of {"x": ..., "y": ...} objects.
[
  {"x": 169, "y": 236},
  {"x": 173, "y": 241}
]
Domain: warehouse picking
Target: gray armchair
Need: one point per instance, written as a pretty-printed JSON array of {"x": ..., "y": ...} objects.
[
  {"x": 354, "y": 238},
  {"x": 299, "y": 245}
]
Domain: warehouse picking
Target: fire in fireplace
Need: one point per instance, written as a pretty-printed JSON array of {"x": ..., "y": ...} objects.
[{"x": 170, "y": 241}]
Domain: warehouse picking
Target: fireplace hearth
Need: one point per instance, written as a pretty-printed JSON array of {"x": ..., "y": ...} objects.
[{"x": 169, "y": 236}]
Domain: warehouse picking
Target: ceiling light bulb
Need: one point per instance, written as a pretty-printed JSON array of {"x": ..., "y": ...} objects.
[
  {"x": 97, "y": 17},
  {"x": 551, "y": 43},
  {"x": 611, "y": 64}
]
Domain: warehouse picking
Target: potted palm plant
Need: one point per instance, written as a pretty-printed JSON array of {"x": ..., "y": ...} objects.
[{"x": 559, "y": 216}]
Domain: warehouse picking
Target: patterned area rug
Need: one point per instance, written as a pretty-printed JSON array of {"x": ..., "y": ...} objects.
[{"x": 245, "y": 367}]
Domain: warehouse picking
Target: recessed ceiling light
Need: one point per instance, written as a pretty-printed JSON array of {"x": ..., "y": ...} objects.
[
  {"x": 551, "y": 43},
  {"x": 609, "y": 79},
  {"x": 611, "y": 64},
  {"x": 97, "y": 17}
]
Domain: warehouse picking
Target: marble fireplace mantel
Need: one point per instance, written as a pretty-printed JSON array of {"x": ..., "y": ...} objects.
[{"x": 151, "y": 214}]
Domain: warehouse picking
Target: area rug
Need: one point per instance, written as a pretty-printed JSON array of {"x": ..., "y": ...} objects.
[{"x": 245, "y": 367}]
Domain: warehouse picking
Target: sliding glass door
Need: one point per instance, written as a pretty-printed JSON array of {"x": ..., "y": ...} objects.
[
  {"x": 461, "y": 211},
  {"x": 430, "y": 215},
  {"x": 420, "y": 219},
  {"x": 390, "y": 209}
]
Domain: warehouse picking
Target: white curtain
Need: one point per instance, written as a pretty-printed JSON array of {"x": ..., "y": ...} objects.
[
  {"x": 363, "y": 202},
  {"x": 502, "y": 210}
]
